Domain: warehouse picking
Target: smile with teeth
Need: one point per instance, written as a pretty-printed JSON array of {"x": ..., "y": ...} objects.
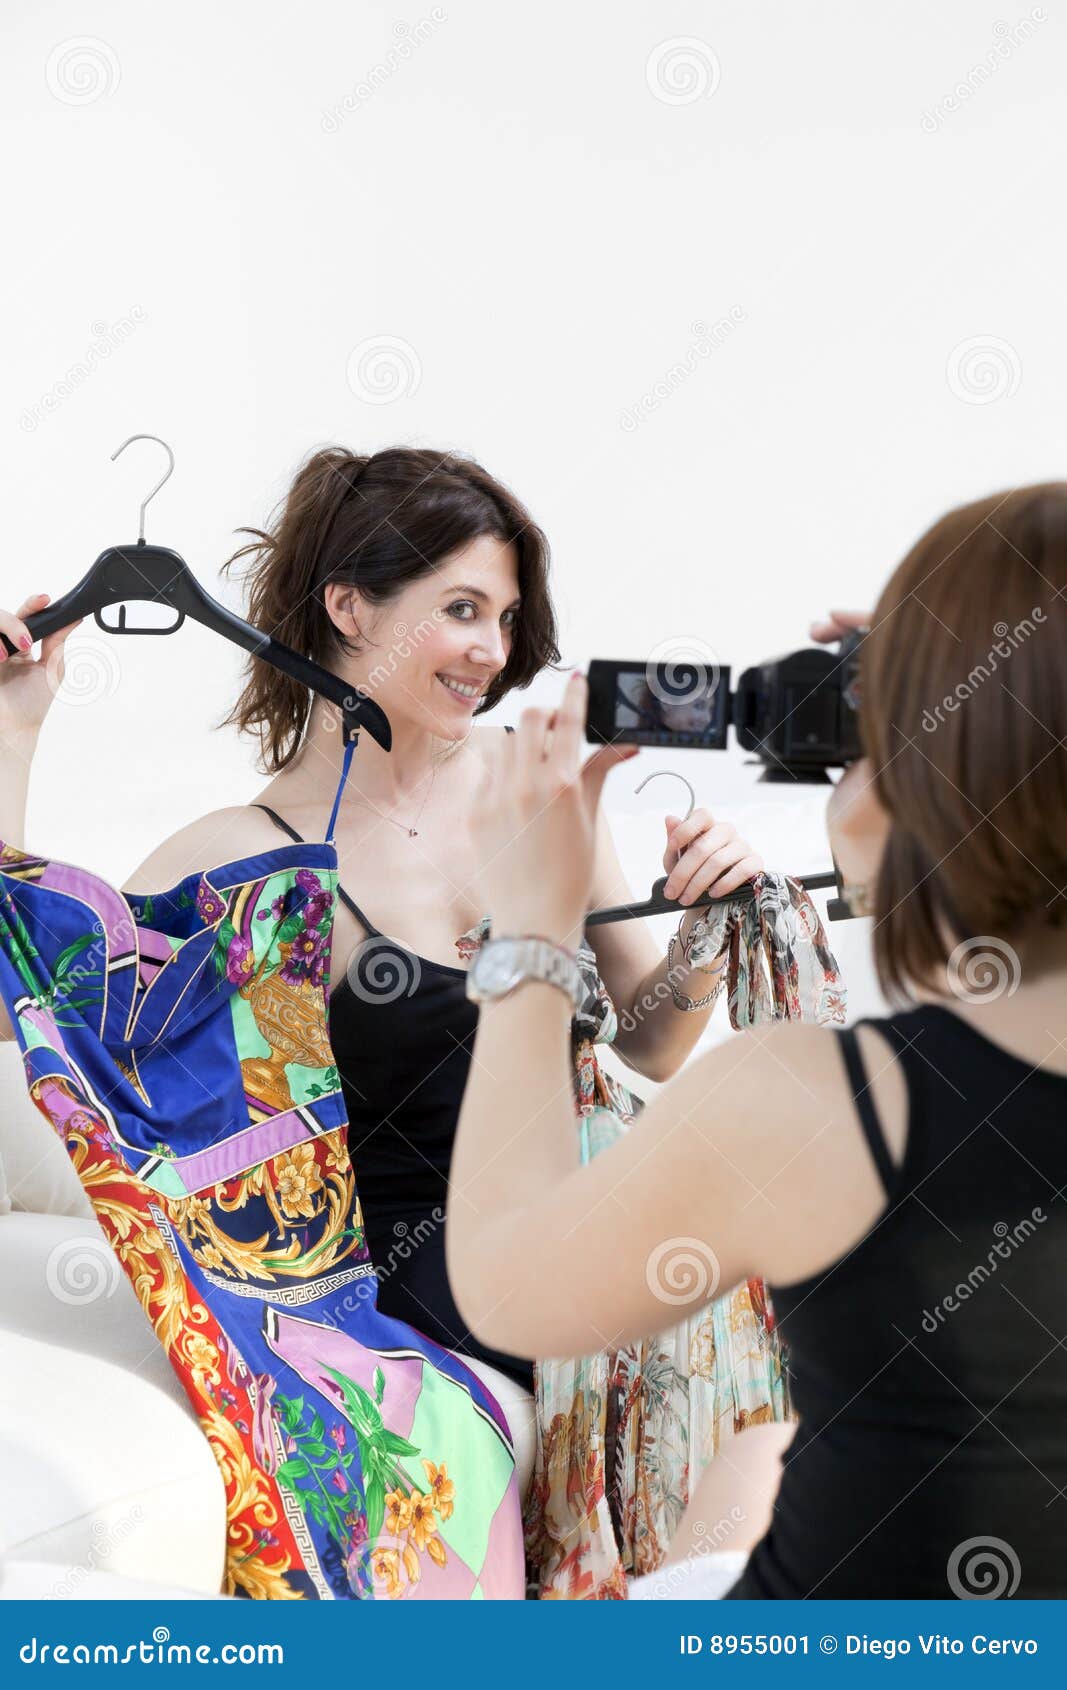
[{"x": 462, "y": 689}]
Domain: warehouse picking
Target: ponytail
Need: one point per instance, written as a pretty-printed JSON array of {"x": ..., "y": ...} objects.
[{"x": 378, "y": 523}]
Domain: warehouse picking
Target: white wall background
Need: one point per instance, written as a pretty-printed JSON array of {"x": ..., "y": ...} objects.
[{"x": 537, "y": 216}]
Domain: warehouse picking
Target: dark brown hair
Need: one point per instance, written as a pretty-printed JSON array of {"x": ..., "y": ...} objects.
[
  {"x": 964, "y": 717},
  {"x": 378, "y": 523}
]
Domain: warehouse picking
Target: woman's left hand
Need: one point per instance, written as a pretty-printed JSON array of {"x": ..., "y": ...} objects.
[
  {"x": 534, "y": 822},
  {"x": 704, "y": 855}
]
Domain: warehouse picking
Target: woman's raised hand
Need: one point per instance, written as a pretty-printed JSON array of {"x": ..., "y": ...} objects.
[
  {"x": 28, "y": 684},
  {"x": 705, "y": 855},
  {"x": 535, "y": 818}
]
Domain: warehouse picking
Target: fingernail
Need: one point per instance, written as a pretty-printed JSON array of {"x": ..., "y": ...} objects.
[{"x": 25, "y": 642}]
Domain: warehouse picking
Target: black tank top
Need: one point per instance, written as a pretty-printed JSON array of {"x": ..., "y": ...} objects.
[
  {"x": 402, "y": 1030},
  {"x": 929, "y": 1365}
]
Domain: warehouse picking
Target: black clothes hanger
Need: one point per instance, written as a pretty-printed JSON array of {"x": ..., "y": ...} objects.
[
  {"x": 157, "y": 575},
  {"x": 657, "y": 904}
]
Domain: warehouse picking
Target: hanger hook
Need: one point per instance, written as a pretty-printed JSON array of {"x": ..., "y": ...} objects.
[
  {"x": 169, "y": 471},
  {"x": 673, "y": 773}
]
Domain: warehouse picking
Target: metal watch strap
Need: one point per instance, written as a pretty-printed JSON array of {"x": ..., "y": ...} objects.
[{"x": 542, "y": 960}]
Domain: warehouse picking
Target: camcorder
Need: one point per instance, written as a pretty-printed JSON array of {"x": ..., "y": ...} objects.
[{"x": 798, "y": 714}]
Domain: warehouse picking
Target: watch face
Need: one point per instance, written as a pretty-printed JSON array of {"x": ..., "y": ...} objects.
[{"x": 495, "y": 967}]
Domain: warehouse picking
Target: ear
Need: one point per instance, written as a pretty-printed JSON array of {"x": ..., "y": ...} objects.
[{"x": 346, "y": 607}]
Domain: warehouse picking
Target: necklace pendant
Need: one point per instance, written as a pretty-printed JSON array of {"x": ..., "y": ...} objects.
[{"x": 413, "y": 833}]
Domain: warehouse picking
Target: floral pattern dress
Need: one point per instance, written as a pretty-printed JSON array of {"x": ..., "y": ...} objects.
[
  {"x": 622, "y": 1435},
  {"x": 177, "y": 1044}
]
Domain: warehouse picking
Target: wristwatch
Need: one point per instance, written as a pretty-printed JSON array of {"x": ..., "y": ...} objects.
[{"x": 502, "y": 964}]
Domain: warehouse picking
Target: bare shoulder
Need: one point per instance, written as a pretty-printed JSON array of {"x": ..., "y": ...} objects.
[
  {"x": 221, "y": 836},
  {"x": 775, "y": 1110}
]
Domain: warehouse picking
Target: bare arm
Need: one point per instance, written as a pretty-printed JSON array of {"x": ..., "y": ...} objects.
[
  {"x": 654, "y": 1035},
  {"x": 750, "y": 1161}
]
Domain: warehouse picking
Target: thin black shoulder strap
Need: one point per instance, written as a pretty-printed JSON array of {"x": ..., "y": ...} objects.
[
  {"x": 277, "y": 819},
  {"x": 861, "y": 1092},
  {"x": 341, "y": 893}
]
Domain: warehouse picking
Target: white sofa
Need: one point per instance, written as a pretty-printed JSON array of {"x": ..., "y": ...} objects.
[{"x": 104, "y": 1468}]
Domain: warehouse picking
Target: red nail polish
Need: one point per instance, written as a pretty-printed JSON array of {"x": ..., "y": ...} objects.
[{"x": 25, "y": 642}]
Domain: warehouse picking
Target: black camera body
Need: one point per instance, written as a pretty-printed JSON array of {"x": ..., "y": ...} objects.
[{"x": 797, "y": 713}]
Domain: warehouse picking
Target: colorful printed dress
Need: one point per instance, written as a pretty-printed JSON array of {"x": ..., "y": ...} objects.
[{"x": 177, "y": 1043}]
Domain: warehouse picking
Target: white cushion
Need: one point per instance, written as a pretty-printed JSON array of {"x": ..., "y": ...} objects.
[
  {"x": 43, "y": 1581},
  {"x": 699, "y": 1578},
  {"x": 104, "y": 1465},
  {"x": 40, "y": 1177}
]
